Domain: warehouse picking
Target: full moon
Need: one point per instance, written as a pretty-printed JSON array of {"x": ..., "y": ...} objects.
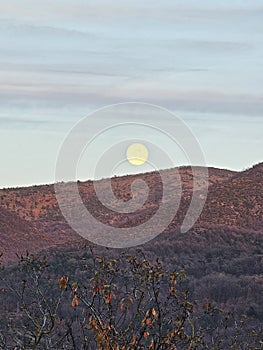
[{"x": 137, "y": 154}]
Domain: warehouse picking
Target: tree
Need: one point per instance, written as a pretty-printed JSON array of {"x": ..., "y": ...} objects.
[{"x": 122, "y": 303}]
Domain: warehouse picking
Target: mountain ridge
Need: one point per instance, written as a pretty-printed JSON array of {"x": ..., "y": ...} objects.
[{"x": 234, "y": 200}]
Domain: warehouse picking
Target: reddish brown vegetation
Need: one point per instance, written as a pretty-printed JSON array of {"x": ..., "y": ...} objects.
[{"x": 234, "y": 200}]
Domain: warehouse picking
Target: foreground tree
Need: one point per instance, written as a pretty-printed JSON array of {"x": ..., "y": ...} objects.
[{"x": 123, "y": 303}]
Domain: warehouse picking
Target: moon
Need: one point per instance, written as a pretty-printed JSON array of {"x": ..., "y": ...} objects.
[{"x": 137, "y": 154}]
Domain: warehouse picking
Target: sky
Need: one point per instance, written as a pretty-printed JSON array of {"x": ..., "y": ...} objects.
[{"x": 61, "y": 60}]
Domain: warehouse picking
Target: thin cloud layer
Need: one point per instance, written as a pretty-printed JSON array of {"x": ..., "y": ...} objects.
[{"x": 60, "y": 60}]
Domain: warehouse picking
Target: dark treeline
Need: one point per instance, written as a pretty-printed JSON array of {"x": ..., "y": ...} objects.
[{"x": 209, "y": 285}]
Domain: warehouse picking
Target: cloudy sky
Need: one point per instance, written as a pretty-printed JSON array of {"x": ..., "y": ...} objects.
[{"x": 60, "y": 60}]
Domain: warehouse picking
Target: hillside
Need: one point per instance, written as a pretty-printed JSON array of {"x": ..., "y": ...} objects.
[
  {"x": 234, "y": 200},
  {"x": 18, "y": 235},
  {"x": 221, "y": 255},
  {"x": 39, "y": 202},
  {"x": 237, "y": 202}
]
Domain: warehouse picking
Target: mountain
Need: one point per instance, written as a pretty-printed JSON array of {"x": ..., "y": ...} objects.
[
  {"x": 234, "y": 201},
  {"x": 237, "y": 202},
  {"x": 222, "y": 254},
  {"x": 18, "y": 235}
]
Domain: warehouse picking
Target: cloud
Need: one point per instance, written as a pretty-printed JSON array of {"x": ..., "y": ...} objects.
[
  {"x": 193, "y": 101},
  {"x": 21, "y": 123},
  {"x": 74, "y": 59},
  {"x": 152, "y": 92},
  {"x": 23, "y": 28},
  {"x": 34, "y": 11},
  {"x": 213, "y": 45}
]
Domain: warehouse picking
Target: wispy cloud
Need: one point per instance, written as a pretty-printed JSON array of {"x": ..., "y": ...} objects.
[
  {"x": 70, "y": 96},
  {"x": 61, "y": 59},
  {"x": 34, "y": 11}
]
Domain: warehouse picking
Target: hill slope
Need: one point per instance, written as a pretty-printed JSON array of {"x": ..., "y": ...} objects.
[
  {"x": 237, "y": 202},
  {"x": 17, "y": 235},
  {"x": 234, "y": 201}
]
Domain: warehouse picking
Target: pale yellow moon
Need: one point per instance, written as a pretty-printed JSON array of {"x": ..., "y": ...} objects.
[{"x": 137, "y": 154}]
